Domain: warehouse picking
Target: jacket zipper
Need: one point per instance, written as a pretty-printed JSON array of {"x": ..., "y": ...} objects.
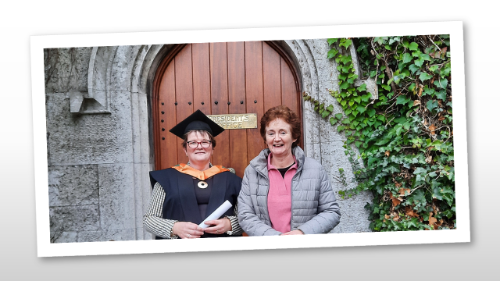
[
  {"x": 291, "y": 194},
  {"x": 299, "y": 169}
]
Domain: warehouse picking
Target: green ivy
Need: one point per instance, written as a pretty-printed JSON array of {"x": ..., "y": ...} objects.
[{"x": 404, "y": 133}]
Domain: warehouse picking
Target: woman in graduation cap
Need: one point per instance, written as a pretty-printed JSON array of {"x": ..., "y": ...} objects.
[{"x": 184, "y": 195}]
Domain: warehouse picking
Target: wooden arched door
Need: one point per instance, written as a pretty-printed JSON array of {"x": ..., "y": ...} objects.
[{"x": 221, "y": 78}]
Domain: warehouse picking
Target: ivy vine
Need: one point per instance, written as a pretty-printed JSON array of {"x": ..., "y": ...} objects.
[{"x": 404, "y": 133}]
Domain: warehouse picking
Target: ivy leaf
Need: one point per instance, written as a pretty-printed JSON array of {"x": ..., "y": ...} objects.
[
  {"x": 434, "y": 68},
  {"x": 412, "y": 88},
  {"x": 386, "y": 87},
  {"x": 325, "y": 113},
  {"x": 441, "y": 95},
  {"x": 332, "y": 53},
  {"x": 361, "y": 109},
  {"x": 366, "y": 97},
  {"x": 344, "y": 86},
  {"x": 392, "y": 169},
  {"x": 424, "y": 76},
  {"x": 413, "y": 46},
  {"x": 419, "y": 197},
  {"x": 397, "y": 78},
  {"x": 425, "y": 57},
  {"x": 428, "y": 91},
  {"x": 442, "y": 83},
  {"x": 380, "y": 40},
  {"x": 346, "y": 121},
  {"x": 371, "y": 112},
  {"x": 420, "y": 171},
  {"x": 362, "y": 88},
  {"x": 371, "y": 160},
  {"x": 332, "y": 40},
  {"x": 345, "y": 59},
  {"x": 330, "y": 108},
  {"x": 448, "y": 195},
  {"x": 445, "y": 71},
  {"x": 402, "y": 99},
  {"x": 340, "y": 128},
  {"x": 394, "y": 39},
  {"x": 333, "y": 121},
  {"x": 400, "y": 120},
  {"x": 345, "y": 43},
  {"x": 413, "y": 68},
  {"x": 432, "y": 104},
  {"x": 419, "y": 62},
  {"x": 383, "y": 141},
  {"x": 407, "y": 58}
]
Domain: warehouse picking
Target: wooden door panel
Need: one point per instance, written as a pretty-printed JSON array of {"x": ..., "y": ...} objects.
[
  {"x": 184, "y": 92},
  {"x": 236, "y": 86},
  {"x": 201, "y": 77},
  {"x": 218, "y": 70},
  {"x": 254, "y": 94},
  {"x": 242, "y": 77},
  {"x": 272, "y": 77},
  {"x": 167, "y": 118}
]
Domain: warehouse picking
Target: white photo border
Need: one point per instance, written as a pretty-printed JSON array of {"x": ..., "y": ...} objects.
[{"x": 47, "y": 249}]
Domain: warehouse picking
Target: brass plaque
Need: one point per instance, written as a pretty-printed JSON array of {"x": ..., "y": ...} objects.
[{"x": 236, "y": 121}]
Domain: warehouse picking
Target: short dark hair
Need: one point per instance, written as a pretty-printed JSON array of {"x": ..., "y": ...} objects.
[
  {"x": 287, "y": 115},
  {"x": 185, "y": 137}
]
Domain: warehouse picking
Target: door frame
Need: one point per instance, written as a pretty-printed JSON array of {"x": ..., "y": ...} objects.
[{"x": 170, "y": 55}]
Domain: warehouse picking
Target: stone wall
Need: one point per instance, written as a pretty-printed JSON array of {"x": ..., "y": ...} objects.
[
  {"x": 322, "y": 141},
  {"x": 100, "y": 143},
  {"x": 90, "y": 155}
]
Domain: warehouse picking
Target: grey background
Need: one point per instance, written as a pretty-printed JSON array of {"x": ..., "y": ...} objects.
[{"x": 451, "y": 261}]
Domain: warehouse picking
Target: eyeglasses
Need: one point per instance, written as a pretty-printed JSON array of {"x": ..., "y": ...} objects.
[{"x": 194, "y": 144}]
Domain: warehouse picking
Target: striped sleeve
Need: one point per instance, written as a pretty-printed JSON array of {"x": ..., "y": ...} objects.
[
  {"x": 235, "y": 225},
  {"x": 153, "y": 219}
]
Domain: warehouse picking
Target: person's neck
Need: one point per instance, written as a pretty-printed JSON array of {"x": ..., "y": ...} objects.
[
  {"x": 199, "y": 166},
  {"x": 282, "y": 161}
]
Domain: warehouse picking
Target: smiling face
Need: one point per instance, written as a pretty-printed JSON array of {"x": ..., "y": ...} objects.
[
  {"x": 279, "y": 138},
  {"x": 199, "y": 156}
]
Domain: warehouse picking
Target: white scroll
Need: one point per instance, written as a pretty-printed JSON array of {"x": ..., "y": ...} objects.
[{"x": 217, "y": 213}]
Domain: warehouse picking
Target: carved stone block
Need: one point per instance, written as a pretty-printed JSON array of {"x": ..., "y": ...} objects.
[
  {"x": 74, "y": 218},
  {"x": 73, "y": 185}
]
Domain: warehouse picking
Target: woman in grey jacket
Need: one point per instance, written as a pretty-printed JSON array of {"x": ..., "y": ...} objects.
[{"x": 283, "y": 192}]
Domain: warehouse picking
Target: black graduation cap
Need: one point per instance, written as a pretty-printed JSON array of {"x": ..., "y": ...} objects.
[{"x": 196, "y": 121}]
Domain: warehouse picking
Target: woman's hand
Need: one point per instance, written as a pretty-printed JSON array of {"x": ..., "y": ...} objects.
[
  {"x": 219, "y": 226},
  {"x": 294, "y": 232},
  {"x": 186, "y": 230}
]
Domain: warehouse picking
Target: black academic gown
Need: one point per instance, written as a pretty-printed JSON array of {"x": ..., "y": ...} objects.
[{"x": 180, "y": 199}]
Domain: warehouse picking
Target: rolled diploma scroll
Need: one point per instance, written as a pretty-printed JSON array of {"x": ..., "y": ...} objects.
[{"x": 216, "y": 214}]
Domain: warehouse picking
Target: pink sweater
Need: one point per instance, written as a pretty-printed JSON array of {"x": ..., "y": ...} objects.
[{"x": 279, "y": 199}]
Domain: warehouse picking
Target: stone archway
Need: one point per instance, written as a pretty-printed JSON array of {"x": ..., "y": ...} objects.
[{"x": 131, "y": 70}]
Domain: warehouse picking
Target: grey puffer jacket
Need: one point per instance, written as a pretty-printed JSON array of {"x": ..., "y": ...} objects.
[{"x": 314, "y": 207}]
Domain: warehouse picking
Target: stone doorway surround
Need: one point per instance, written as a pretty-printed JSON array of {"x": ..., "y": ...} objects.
[{"x": 100, "y": 142}]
